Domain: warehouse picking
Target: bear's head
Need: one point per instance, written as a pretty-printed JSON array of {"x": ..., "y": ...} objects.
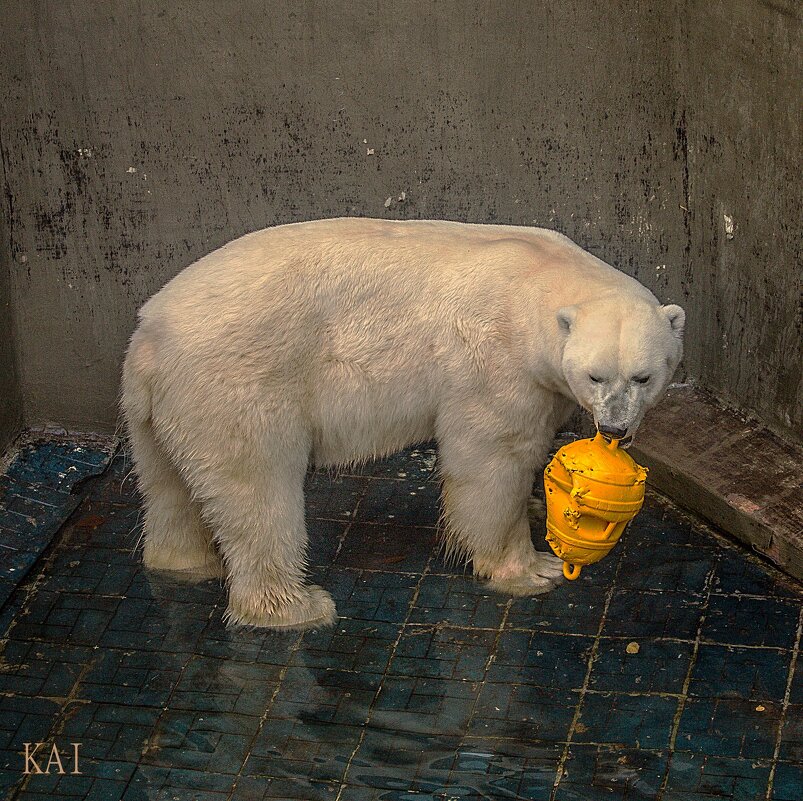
[{"x": 619, "y": 355}]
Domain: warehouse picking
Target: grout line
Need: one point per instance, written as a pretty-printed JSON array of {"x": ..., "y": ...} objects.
[
  {"x": 391, "y": 523},
  {"x": 263, "y": 718},
  {"x": 166, "y": 706},
  {"x": 38, "y": 572},
  {"x": 787, "y": 694},
  {"x": 341, "y": 541},
  {"x": 500, "y": 630},
  {"x": 584, "y": 689},
  {"x": 409, "y": 627},
  {"x": 57, "y": 726},
  {"x": 365, "y": 724},
  {"x": 349, "y": 524},
  {"x": 358, "y": 672},
  {"x": 459, "y": 627},
  {"x": 686, "y": 683}
]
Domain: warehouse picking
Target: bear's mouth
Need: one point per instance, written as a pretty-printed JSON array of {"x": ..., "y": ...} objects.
[{"x": 624, "y": 443}]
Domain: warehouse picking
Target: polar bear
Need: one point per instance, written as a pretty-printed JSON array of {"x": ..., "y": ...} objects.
[{"x": 336, "y": 341}]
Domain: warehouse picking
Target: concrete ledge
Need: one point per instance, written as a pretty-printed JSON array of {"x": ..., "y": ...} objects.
[{"x": 729, "y": 470}]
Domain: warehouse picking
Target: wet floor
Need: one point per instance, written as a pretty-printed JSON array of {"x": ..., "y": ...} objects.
[{"x": 668, "y": 671}]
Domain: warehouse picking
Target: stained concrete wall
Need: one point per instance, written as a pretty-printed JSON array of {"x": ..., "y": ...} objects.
[
  {"x": 740, "y": 69},
  {"x": 10, "y": 396},
  {"x": 137, "y": 137}
]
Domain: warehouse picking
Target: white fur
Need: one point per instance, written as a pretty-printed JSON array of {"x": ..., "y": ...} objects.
[{"x": 336, "y": 341}]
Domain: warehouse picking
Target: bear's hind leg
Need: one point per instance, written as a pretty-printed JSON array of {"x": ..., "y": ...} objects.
[
  {"x": 175, "y": 537},
  {"x": 255, "y": 504},
  {"x": 485, "y": 502}
]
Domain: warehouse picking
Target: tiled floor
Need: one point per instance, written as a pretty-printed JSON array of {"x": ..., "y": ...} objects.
[
  {"x": 668, "y": 671},
  {"x": 40, "y": 488}
]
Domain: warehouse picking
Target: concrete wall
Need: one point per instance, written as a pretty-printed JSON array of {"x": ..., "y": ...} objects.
[
  {"x": 138, "y": 137},
  {"x": 10, "y": 396},
  {"x": 740, "y": 69}
]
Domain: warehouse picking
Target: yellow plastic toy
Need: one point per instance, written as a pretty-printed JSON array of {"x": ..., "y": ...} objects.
[{"x": 593, "y": 490}]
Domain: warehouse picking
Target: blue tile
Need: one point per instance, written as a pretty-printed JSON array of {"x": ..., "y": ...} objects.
[
  {"x": 105, "y": 789},
  {"x": 147, "y": 784},
  {"x": 332, "y": 497},
  {"x": 294, "y": 788},
  {"x": 524, "y": 712},
  {"x": 788, "y": 782},
  {"x": 659, "y": 666},
  {"x": 261, "y": 646},
  {"x": 324, "y": 537},
  {"x": 419, "y": 678},
  {"x": 457, "y": 601},
  {"x": 636, "y": 721},
  {"x": 295, "y": 749},
  {"x": 796, "y": 691},
  {"x": 322, "y": 695},
  {"x": 424, "y": 705},
  {"x": 446, "y": 653},
  {"x": 494, "y": 768},
  {"x": 105, "y": 525},
  {"x": 223, "y": 685},
  {"x": 349, "y": 645},
  {"x": 404, "y": 761},
  {"x": 175, "y": 618},
  {"x": 542, "y": 659},
  {"x": 747, "y": 673},
  {"x": 596, "y": 772},
  {"x": 401, "y": 503},
  {"x": 371, "y": 596},
  {"x": 651, "y": 614},
  {"x": 41, "y": 669},
  {"x": 24, "y": 720},
  {"x": 575, "y": 607},
  {"x": 160, "y": 783},
  {"x": 97, "y": 571},
  {"x": 37, "y": 500},
  {"x": 728, "y": 728},
  {"x": 751, "y": 621},
  {"x": 201, "y": 741},
  {"x": 398, "y": 548},
  {"x": 659, "y": 524},
  {"x": 792, "y": 734},
  {"x": 739, "y": 573},
  {"x": 666, "y": 568},
  {"x": 701, "y": 777}
]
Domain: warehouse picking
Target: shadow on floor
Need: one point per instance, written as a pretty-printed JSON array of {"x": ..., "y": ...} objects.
[{"x": 668, "y": 671}]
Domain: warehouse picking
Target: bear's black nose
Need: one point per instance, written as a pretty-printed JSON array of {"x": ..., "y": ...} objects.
[{"x": 611, "y": 432}]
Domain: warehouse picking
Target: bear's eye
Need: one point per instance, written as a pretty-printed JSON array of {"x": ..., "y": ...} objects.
[
  {"x": 641, "y": 379},
  {"x": 594, "y": 379}
]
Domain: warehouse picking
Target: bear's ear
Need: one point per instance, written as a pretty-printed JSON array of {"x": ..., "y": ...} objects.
[
  {"x": 676, "y": 317},
  {"x": 566, "y": 317}
]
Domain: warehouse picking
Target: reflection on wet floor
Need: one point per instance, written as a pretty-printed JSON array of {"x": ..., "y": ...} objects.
[{"x": 668, "y": 671}]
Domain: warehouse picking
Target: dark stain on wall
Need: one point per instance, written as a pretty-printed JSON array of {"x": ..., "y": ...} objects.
[
  {"x": 138, "y": 138},
  {"x": 10, "y": 394}
]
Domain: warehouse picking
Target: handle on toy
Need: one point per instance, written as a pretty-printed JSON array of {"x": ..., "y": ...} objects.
[
  {"x": 571, "y": 571},
  {"x": 604, "y": 535}
]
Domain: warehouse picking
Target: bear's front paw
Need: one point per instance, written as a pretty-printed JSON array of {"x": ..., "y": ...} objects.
[
  {"x": 312, "y": 608},
  {"x": 540, "y": 574}
]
